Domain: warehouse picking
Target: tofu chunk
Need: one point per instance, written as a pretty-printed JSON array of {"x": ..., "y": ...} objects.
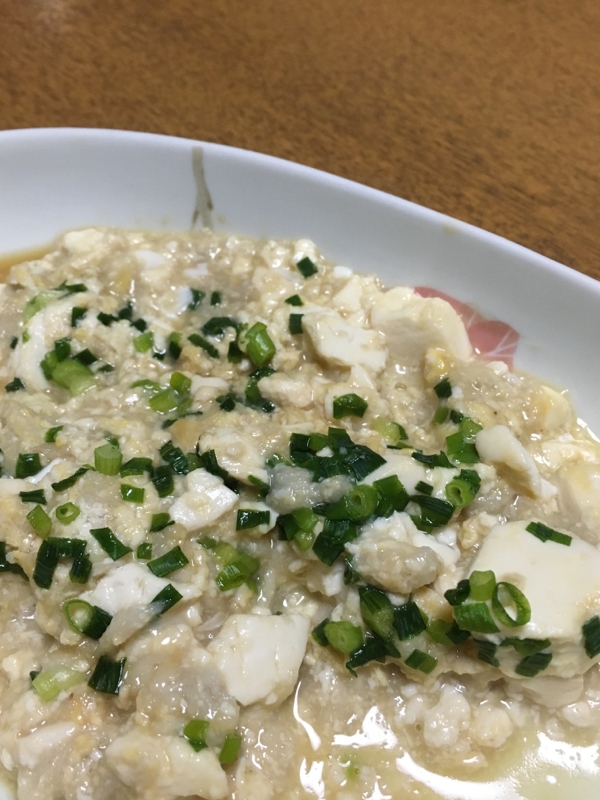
[
  {"x": 497, "y": 446},
  {"x": 344, "y": 345},
  {"x": 562, "y": 585},
  {"x": 259, "y": 656},
  {"x": 579, "y": 488},
  {"x": 412, "y": 325},
  {"x": 239, "y": 453},
  {"x": 125, "y": 587},
  {"x": 166, "y": 767},
  {"x": 206, "y": 499}
]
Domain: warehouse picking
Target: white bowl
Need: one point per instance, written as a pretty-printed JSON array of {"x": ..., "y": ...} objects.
[{"x": 55, "y": 179}]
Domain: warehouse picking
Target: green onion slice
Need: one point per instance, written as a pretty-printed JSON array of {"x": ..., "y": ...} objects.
[
  {"x": 462, "y": 490},
  {"x": 28, "y": 464},
  {"x": 443, "y": 389},
  {"x": 136, "y": 466},
  {"x": 40, "y": 521},
  {"x": 259, "y": 346},
  {"x": 330, "y": 543},
  {"x": 307, "y": 267},
  {"x": 144, "y": 551},
  {"x": 294, "y": 300},
  {"x": 74, "y": 376},
  {"x": 344, "y": 636},
  {"x": 409, "y": 620},
  {"x": 546, "y": 534},
  {"x": 231, "y": 748},
  {"x": 163, "y": 480},
  {"x": 457, "y": 597},
  {"x": 373, "y": 649},
  {"x": 165, "y": 599},
  {"x": 68, "y": 483},
  {"x": 295, "y": 324},
  {"x": 35, "y": 496},
  {"x": 67, "y": 513},
  {"x": 54, "y": 680},
  {"x": 85, "y": 618},
  {"x": 349, "y": 405},
  {"x": 482, "y": 584},
  {"x": 197, "y": 297},
  {"x": 530, "y": 666},
  {"x": 378, "y": 613},
  {"x": 160, "y": 521},
  {"x": 52, "y": 433},
  {"x": 475, "y": 617},
  {"x": 15, "y": 385},
  {"x": 248, "y": 518},
  {"x": 421, "y": 661},
  {"x": 195, "y": 732},
  {"x": 515, "y": 598},
  {"x": 108, "y": 675},
  {"x": 486, "y": 651},
  {"x": 204, "y": 344},
  {"x": 591, "y": 636},
  {"x": 132, "y": 494},
  {"x": 109, "y": 543},
  {"x": 108, "y": 459},
  {"x": 169, "y": 562}
]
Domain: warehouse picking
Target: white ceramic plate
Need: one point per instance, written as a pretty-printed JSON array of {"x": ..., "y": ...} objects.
[{"x": 53, "y": 180}]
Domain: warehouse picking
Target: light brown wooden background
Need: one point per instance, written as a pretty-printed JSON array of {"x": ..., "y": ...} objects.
[{"x": 488, "y": 110}]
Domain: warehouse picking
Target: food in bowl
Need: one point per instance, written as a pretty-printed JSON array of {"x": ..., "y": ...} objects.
[{"x": 271, "y": 530}]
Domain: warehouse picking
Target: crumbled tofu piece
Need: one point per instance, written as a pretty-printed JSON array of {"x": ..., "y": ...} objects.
[
  {"x": 286, "y": 391},
  {"x": 342, "y": 344},
  {"x": 40, "y": 744},
  {"x": 394, "y": 554},
  {"x": 410, "y": 472},
  {"x": 236, "y": 452},
  {"x": 166, "y": 767},
  {"x": 579, "y": 488},
  {"x": 497, "y": 446},
  {"x": 259, "y": 656},
  {"x": 561, "y": 583},
  {"x": 205, "y": 500},
  {"x": 412, "y": 325},
  {"x": 124, "y": 587}
]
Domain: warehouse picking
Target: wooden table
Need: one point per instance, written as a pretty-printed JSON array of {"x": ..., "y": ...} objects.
[{"x": 488, "y": 110}]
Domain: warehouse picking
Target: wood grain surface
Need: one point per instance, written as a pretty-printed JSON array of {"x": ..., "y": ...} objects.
[{"x": 487, "y": 110}]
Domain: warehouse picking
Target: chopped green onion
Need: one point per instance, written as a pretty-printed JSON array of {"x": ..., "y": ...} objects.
[
  {"x": 358, "y": 504},
  {"x": 421, "y": 661},
  {"x": 52, "y": 433},
  {"x": 35, "y": 496},
  {"x": 175, "y": 457},
  {"x": 109, "y": 543},
  {"x": 77, "y": 314},
  {"x": 163, "y": 480},
  {"x": 28, "y": 464},
  {"x": 106, "y": 368},
  {"x": 432, "y": 459},
  {"x": 67, "y": 513},
  {"x": 515, "y": 598},
  {"x": 108, "y": 675},
  {"x": 137, "y": 466},
  {"x": 81, "y": 569},
  {"x": 14, "y": 342},
  {"x": 234, "y": 354},
  {"x": 462, "y": 489},
  {"x": 259, "y": 345},
  {"x": 195, "y": 732},
  {"x": 307, "y": 267},
  {"x": 165, "y": 599},
  {"x": 248, "y": 518},
  {"x": 252, "y": 394},
  {"x": 391, "y": 431},
  {"x": 460, "y": 445},
  {"x": 591, "y": 636},
  {"x": 237, "y": 567},
  {"x": 409, "y": 620},
  {"x": 378, "y": 613},
  {"x": 434, "y": 512},
  {"x": 424, "y": 488},
  {"x": 54, "y": 680},
  {"x": 529, "y": 666},
  {"x": 486, "y": 651},
  {"x": 108, "y": 459},
  {"x": 37, "y": 303},
  {"x": 74, "y": 376},
  {"x": 330, "y": 543},
  {"x": 482, "y": 584},
  {"x": 126, "y": 312},
  {"x": 349, "y": 405},
  {"x": 168, "y": 400},
  {"x": 318, "y": 633},
  {"x": 373, "y": 649},
  {"x": 50, "y": 552},
  {"x": 85, "y": 618},
  {"x": 106, "y": 319},
  {"x": 447, "y": 633},
  {"x": 169, "y": 562},
  {"x": 144, "y": 551},
  {"x": 392, "y": 496},
  {"x": 40, "y": 521},
  {"x": 527, "y": 647},
  {"x": 73, "y": 288},
  {"x": 85, "y": 357},
  {"x": 180, "y": 382},
  {"x": 457, "y": 597},
  {"x": 197, "y": 297},
  {"x": 8, "y": 566},
  {"x": 132, "y": 494},
  {"x": 545, "y": 534},
  {"x": 68, "y": 483},
  {"x": 475, "y": 617},
  {"x": 215, "y": 299},
  {"x": 351, "y": 576},
  {"x": 294, "y": 300},
  {"x": 263, "y": 486},
  {"x": 295, "y": 324},
  {"x": 216, "y": 326},
  {"x": 226, "y": 402},
  {"x": 231, "y": 748},
  {"x": 62, "y": 348},
  {"x": 204, "y": 344},
  {"x": 343, "y": 636},
  {"x": 443, "y": 389},
  {"x": 15, "y": 385},
  {"x": 144, "y": 342},
  {"x": 160, "y": 521},
  {"x": 441, "y": 415}
]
